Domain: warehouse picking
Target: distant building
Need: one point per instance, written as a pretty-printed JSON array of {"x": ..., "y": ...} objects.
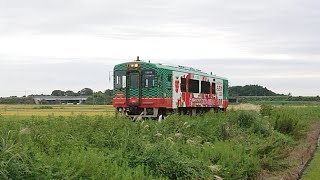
[{"x": 38, "y": 99}]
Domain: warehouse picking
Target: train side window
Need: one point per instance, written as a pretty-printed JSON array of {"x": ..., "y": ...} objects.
[
  {"x": 148, "y": 78},
  {"x": 120, "y": 79},
  {"x": 169, "y": 77},
  {"x": 183, "y": 85},
  {"x": 214, "y": 88},
  {"x": 205, "y": 87},
  {"x": 169, "y": 82},
  {"x": 193, "y": 86}
]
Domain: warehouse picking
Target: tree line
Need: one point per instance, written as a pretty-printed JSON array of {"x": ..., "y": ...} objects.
[
  {"x": 251, "y": 90},
  {"x": 98, "y": 98},
  {"x": 82, "y": 92}
]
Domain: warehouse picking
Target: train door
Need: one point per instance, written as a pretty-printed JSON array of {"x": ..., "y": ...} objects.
[
  {"x": 133, "y": 95},
  {"x": 161, "y": 86},
  {"x": 219, "y": 91}
]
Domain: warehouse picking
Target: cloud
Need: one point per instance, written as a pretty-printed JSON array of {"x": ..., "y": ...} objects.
[
  {"x": 271, "y": 42},
  {"x": 269, "y": 27}
]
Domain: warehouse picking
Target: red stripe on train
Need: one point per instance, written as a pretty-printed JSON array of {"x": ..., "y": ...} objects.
[{"x": 145, "y": 102}]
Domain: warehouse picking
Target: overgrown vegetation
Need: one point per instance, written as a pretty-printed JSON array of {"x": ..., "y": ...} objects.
[
  {"x": 266, "y": 109},
  {"x": 232, "y": 145}
]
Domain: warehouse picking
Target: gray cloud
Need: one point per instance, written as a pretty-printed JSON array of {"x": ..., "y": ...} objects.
[{"x": 288, "y": 27}]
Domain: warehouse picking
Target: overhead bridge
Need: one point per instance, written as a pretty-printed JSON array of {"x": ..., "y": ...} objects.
[{"x": 60, "y": 99}]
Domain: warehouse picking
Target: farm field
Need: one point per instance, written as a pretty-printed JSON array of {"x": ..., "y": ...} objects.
[
  {"x": 23, "y": 111},
  {"x": 247, "y": 142},
  {"x": 55, "y": 110}
]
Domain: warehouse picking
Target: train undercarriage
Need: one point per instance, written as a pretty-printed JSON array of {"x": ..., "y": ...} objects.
[{"x": 154, "y": 113}]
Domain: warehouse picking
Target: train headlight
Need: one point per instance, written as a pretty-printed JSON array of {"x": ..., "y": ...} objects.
[{"x": 135, "y": 65}]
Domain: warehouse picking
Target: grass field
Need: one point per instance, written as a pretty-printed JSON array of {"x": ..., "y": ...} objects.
[
  {"x": 88, "y": 142},
  {"x": 313, "y": 171}
]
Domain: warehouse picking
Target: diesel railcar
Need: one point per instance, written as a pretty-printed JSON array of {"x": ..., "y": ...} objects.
[{"x": 153, "y": 90}]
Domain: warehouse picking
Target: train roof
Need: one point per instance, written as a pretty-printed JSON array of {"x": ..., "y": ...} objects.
[
  {"x": 188, "y": 70},
  {"x": 177, "y": 68}
]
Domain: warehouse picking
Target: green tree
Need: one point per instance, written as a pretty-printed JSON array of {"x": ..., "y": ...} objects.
[
  {"x": 100, "y": 98},
  {"x": 86, "y": 92},
  {"x": 58, "y": 93},
  {"x": 250, "y": 90},
  {"x": 70, "y": 93}
]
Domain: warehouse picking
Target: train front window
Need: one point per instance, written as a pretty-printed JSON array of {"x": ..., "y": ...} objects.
[
  {"x": 134, "y": 80},
  {"x": 148, "y": 78},
  {"x": 120, "y": 79}
]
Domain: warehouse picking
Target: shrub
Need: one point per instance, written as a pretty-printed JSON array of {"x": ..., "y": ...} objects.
[
  {"x": 12, "y": 163},
  {"x": 43, "y": 107},
  {"x": 246, "y": 119},
  {"x": 287, "y": 123},
  {"x": 265, "y": 110},
  {"x": 236, "y": 160}
]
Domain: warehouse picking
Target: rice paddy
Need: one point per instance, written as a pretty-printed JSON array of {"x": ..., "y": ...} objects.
[{"x": 55, "y": 110}]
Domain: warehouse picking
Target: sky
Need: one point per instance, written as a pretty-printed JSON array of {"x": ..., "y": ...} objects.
[{"x": 73, "y": 44}]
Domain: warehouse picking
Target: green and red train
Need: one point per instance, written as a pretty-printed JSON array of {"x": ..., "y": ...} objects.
[{"x": 151, "y": 90}]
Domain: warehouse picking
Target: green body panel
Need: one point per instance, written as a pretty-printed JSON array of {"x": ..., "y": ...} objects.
[{"x": 165, "y": 86}]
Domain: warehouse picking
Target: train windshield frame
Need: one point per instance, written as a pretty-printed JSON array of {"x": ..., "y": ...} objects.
[
  {"x": 148, "y": 78},
  {"x": 120, "y": 79}
]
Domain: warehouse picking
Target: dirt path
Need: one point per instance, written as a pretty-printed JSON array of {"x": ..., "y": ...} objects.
[{"x": 300, "y": 156}]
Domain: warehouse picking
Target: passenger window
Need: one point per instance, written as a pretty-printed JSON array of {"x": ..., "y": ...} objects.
[
  {"x": 148, "y": 78},
  {"x": 183, "y": 85},
  {"x": 193, "y": 86},
  {"x": 205, "y": 87},
  {"x": 214, "y": 88},
  {"x": 169, "y": 82}
]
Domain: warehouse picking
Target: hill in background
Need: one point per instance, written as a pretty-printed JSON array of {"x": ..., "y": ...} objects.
[{"x": 251, "y": 90}]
